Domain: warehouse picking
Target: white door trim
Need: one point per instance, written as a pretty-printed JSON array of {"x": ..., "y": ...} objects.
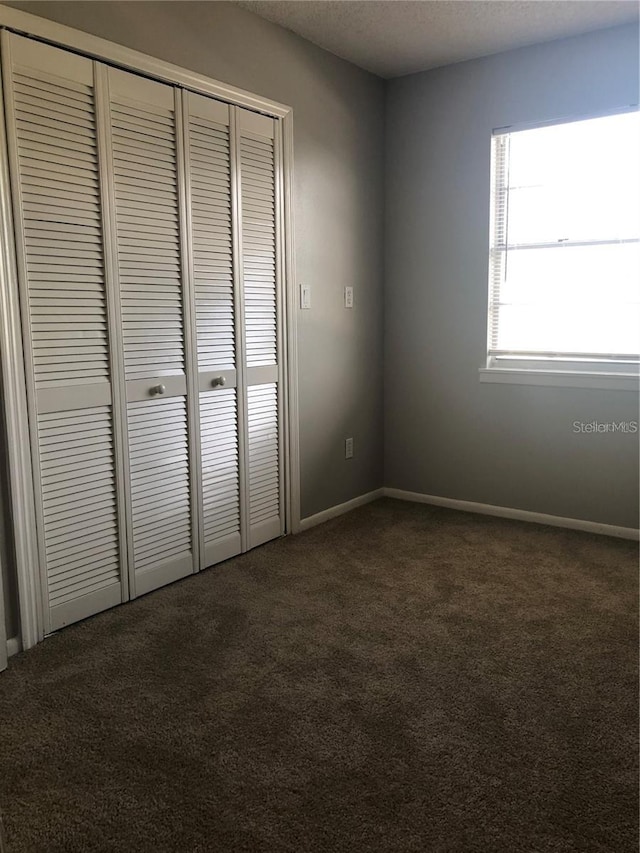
[
  {"x": 20, "y": 486},
  {"x": 289, "y": 320},
  {"x": 21, "y": 491}
]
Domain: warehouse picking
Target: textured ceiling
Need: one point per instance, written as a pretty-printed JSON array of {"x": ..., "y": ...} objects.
[{"x": 396, "y": 37}]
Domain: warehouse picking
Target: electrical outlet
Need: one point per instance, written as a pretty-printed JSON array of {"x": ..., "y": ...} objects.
[
  {"x": 305, "y": 297},
  {"x": 348, "y": 448},
  {"x": 348, "y": 297}
]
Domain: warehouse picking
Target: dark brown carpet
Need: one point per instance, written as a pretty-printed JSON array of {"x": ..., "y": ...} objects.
[{"x": 404, "y": 678}]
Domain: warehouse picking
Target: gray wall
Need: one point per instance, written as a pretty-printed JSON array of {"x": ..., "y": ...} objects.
[
  {"x": 339, "y": 181},
  {"x": 445, "y": 433}
]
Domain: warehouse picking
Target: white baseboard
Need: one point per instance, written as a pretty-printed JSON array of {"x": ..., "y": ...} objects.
[
  {"x": 472, "y": 506},
  {"x": 13, "y": 646},
  {"x": 518, "y": 514},
  {"x": 340, "y": 509}
]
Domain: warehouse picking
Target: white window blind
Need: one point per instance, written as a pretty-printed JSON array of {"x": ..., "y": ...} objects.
[{"x": 564, "y": 256}]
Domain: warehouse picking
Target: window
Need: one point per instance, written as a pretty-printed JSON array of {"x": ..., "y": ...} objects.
[{"x": 564, "y": 272}]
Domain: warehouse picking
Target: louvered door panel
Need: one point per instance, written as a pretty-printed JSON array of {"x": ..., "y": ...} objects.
[
  {"x": 220, "y": 474},
  {"x": 211, "y": 219},
  {"x": 210, "y": 195},
  {"x": 258, "y": 158},
  {"x": 62, "y": 230},
  {"x": 259, "y": 249},
  {"x": 264, "y": 454},
  {"x": 79, "y": 504},
  {"x": 160, "y": 489},
  {"x": 148, "y": 229},
  {"x": 51, "y": 114},
  {"x": 144, "y": 169}
]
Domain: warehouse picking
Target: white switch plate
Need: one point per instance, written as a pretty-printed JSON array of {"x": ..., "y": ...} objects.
[
  {"x": 305, "y": 297},
  {"x": 348, "y": 448},
  {"x": 348, "y": 297}
]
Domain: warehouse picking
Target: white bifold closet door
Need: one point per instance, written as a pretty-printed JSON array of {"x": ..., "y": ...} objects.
[
  {"x": 257, "y": 154},
  {"x": 71, "y": 371},
  {"x": 149, "y": 253},
  {"x": 234, "y": 230},
  {"x": 148, "y": 234},
  {"x": 211, "y": 236}
]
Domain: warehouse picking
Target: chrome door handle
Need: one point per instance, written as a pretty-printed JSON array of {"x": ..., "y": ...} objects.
[
  {"x": 157, "y": 390},
  {"x": 219, "y": 380}
]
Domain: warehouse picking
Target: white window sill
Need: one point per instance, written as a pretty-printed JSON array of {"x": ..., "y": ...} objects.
[{"x": 562, "y": 379}]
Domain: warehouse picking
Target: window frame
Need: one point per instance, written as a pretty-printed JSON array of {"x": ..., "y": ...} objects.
[{"x": 579, "y": 370}]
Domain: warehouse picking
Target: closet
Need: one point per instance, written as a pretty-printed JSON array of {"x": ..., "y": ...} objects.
[{"x": 148, "y": 224}]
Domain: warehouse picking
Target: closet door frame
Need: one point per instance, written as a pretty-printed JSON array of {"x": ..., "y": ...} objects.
[{"x": 15, "y": 400}]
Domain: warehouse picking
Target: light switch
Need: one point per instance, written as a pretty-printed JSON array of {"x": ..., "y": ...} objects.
[
  {"x": 305, "y": 297},
  {"x": 348, "y": 297}
]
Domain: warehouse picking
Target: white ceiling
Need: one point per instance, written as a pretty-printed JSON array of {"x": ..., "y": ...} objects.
[{"x": 396, "y": 37}]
